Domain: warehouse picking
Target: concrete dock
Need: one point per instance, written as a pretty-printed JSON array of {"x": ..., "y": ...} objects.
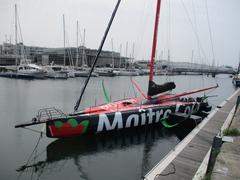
[
  {"x": 228, "y": 160},
  {"x": 188, "y": 160}
]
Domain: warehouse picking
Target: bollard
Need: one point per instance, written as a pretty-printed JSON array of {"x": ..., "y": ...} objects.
[
  {"x": 216, "y": 145},
  {"x": 237, "y": 104}
]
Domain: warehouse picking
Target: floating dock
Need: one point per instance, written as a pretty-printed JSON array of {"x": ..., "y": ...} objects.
[{"x": 188, "y": 158}]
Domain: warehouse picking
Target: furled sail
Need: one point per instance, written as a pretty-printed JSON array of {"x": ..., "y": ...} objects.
[{"x": 154, "y": 89}]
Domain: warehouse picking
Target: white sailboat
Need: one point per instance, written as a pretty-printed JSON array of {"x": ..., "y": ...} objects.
[
  {"x": 82, "y": 71},
  {"x": 24, "y": 70}
]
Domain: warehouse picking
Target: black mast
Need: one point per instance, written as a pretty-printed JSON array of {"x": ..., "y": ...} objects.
[{"x": 98, "y": 53}]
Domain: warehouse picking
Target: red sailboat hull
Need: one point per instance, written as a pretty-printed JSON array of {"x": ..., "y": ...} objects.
[{"x": 125, "y": 114}]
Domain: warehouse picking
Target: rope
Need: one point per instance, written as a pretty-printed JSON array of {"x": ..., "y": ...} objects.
[
  {"x": 194, "y": 29},
  {"x": 210, "y": 33},
  {"x": 23, "y": 52},
  {"x": 41, "y": 132},
  {"x": 20, "y": 30},
  {"x": 22, "y": 168},
  {"x": 135, "y": 93},
  {"x": 69, "y": 52},
  {"x": 143, "y": 20}
]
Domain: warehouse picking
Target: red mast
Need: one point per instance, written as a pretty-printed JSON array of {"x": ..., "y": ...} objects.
[{"x": 154, "y": 44}]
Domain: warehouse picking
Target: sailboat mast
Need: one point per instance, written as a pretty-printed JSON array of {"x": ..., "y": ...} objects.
[
  {"x": 98, "y": 54},
  {"x": 76, "y": 63},
  {"x": 126, "y": 55},
  {"x": 133, "y": 47},
  {"x": 120, "y": 59},
  {"x": 83, "y": 49},
  {"x": 112, "y": 54},
  {"x": 64, "y": 55},
  {"x": 238, "y": 70},
  {"x": 16, "y": 48},
  {"x": 154, "y": 44}
]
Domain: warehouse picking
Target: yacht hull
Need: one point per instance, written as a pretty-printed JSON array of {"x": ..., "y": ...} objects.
[{"x": 108, "y": 121}]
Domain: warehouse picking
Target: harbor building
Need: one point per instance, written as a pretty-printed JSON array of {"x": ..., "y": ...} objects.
[
  {"x": 9, "y": 53},
  {"x": 85, "y": 57}
]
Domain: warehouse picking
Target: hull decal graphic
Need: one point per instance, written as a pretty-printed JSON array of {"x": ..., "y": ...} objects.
[{"x": 104, "y": 122}]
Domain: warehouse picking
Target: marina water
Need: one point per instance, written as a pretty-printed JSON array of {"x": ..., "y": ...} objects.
[{"x": 123, "y": 155}]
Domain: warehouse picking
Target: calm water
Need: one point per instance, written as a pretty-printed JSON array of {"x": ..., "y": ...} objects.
[{"x": 123, "y": 156}]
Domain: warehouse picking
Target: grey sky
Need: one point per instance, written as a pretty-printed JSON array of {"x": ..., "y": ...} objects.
[{"x": 41, "y": 24}]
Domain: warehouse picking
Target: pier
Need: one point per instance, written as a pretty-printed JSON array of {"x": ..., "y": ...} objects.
[
  {"x": 189, "y": 159},
  {"x": 227, "y": 162}
]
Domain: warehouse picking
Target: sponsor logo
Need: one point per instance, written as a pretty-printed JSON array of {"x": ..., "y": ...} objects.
[{"x": 143, "y": 117}]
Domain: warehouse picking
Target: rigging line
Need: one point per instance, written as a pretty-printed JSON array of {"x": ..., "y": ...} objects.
[
  {"x": 98, "y": 53},
  {"x": 210, "y": 33},
  {"x": 21, "y": 37},
  {"x": 70, "y": 59},
  {"x": 138, "y": 88},
  {"x": 196, "y": 27},
  {"x": 12, "y": 27},
  {"x": 142, "y": 23},
  {"x": 194, "y": 30},
  {"x": 80, "y": 45},
  {"x": 80, "y": 35},
  {"x": 30, "y": 157},
  {"x": 40, "y": 154},
  {"x": 34, "y": 160},
  {"x": 33, "y": 130},
  {"x": 132, "y": 85},
  {"x": 169, "y": 26},
  {"x": 20, "y": 30}
]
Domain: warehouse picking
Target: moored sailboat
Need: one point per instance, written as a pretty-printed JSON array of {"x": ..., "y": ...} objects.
[{"x": 153, "y": 108}]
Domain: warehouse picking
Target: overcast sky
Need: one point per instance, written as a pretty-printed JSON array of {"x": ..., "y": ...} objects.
[{"x": 183, "y": 26}]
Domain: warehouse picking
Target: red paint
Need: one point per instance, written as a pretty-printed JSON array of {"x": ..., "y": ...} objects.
[
  {"x": 154, "y": 45},
  {"x": 170, "y": 97},
  {"x": 139, "y": 89},
  {"x": 135, "y": 103},
  {"x": 66, "y": 130}
]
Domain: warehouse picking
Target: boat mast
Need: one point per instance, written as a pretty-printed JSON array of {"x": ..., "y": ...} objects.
[
  {"x": 76, "y": 63},
  {"x": 120, "y": 59},
  {"x": 98, "y": 54},
  {"x": 64, "y": 56},
  {"x": 131, "y": 64},
  {"x": 83, "y": 50},
  {"x": 126, "y": 59},
  {"x": 238, "y": 64},
  {"x": 16, "y": 47},
  {"x": 154, "y": 44},
  {"x": 112, "y": 54}
]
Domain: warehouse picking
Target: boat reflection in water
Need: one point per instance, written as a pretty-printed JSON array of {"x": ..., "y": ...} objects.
[{"x": 106, "y": 153}]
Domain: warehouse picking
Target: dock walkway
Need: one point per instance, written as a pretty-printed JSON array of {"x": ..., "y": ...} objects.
[
  {"x": 183, "y": 162},
  {"x": 227, "y": 163}
]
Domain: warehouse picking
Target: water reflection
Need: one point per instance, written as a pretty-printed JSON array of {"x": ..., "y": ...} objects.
[{"x": 145, "y": 139}]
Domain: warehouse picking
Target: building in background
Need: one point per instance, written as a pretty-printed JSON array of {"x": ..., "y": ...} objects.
[{"x": 45, "y": 56}]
